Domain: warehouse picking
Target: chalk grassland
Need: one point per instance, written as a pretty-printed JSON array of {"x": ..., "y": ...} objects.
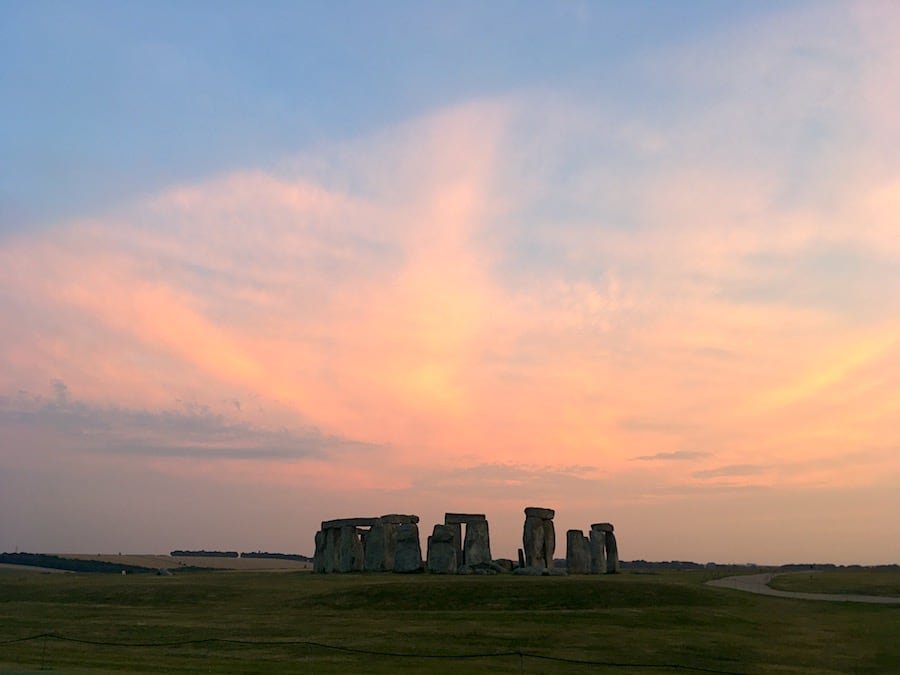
[
  {"x": 862, "y": 582},
  {"x": 669, "y": 620},
  {"x": 168, "y": 562}
]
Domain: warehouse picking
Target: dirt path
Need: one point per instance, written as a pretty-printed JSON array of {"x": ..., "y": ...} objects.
[{"x": 758, "y": 583}]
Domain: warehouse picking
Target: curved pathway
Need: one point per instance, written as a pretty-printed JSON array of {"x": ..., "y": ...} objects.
[{"x": 758, "y": 583}]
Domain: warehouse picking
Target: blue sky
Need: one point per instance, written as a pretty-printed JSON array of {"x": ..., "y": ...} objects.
[{"x": 106, "y": 100}]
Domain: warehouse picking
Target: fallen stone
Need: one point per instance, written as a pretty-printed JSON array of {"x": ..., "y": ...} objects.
[{"x": 505, "y": 564}]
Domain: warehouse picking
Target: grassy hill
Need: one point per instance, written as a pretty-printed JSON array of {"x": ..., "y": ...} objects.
[{"x": 668, "y": 620}]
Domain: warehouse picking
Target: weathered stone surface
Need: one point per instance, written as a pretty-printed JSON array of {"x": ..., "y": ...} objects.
[
  {"x": 504, "y": 564},
  {"x": 533, "y": 542},
  {"x": 598, "y": 551},
  {"x": 349, "y": 522},
  {"x": 332, "y": 545},
  {"x": 319, "y": 555},
  {"x": 612, "y": 554},
  {"x": 442, "y": 550},
  {"x": 374, "y": 546},
  {"x": 549, "y": 541},
  {"x": 390, "y": 545},
  {"x": 458, "y": 518},
  {"x": 539, "y": 512},
  {"x": 351, "y": 557},
  {"x": 399, "y": 518},
  {"x": 408, "y": 552},
  {"x": 603, "y": 527},
  {"x": 457, "y": 540},
  {"x": 477, "y": 546},
  {"x": 578, "y": 553}
]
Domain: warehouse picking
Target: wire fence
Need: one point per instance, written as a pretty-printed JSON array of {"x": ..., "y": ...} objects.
[{"x": 521, "y": 655}]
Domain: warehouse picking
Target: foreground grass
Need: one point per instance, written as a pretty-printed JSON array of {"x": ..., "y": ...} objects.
[
  {"x": 655, "y": 619},
  {"x": 863, "y": 582}
]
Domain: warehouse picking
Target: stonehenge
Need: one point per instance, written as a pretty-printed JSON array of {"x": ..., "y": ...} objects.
[{"x": 390, "y": 543}]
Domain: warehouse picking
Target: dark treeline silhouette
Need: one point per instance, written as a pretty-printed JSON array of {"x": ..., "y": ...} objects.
[
  {"x": 71, "y": 564},
  {"x": 203, "y": 554},
  {"x": 278, "y": 556}
]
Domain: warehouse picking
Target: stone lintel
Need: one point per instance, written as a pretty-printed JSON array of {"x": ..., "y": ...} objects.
[
  {"x": 400, "y": 519},
  {"x": 458, "y": 518},
  {"x": 539, "y": 512},
  {"x": 349, "y": 522},
  {"x": 603, "y": 527}
]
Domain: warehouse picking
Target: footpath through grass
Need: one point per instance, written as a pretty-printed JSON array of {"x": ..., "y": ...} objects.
[
  {"x": 666, "y": 620},
  {"x": 861, "y": 582}
]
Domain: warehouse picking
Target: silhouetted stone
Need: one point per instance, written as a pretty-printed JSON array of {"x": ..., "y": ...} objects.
[
  {"x": 612, "y": 554},
  {"x": 319, "y": 555},
  {"x": 539, "y": 537},
  {"x": 349, "y": 522},
  {"x": 521, "y": 558},
  {"x": 578, "y": 553},
  {"x": 442, "y": 550},
  {"x": 603, "y": 527},
  {"x": 374, "y": 546},
  {"x": 598, "y": 551},
  {"x": 477, "y": 546},
  {"x": 350, "y": 551},
  {"x": 408, "y": 554}
]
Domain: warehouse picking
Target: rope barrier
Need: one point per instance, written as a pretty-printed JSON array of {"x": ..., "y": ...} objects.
[{"x": 369, "y": 652}]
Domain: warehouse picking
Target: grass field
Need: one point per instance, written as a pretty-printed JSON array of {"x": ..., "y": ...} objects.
[
  {"x": 666, "y": 619},
  {"x": 862, "y": 582}
]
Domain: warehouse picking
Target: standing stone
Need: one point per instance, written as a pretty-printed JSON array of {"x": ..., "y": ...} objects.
[
  {"x": 521, "y": 558},
  {"x": 533, "y": 542},
  {"x": 332, "y": 546},
  {"x": 442, "y": 550},
  {"x": 549, "y": 541},
  {"x": 612, "y": 554},
  {"x": 319, "y": 555},
  {"x": 408, "y": 554},
  {"x": 477, "y": 548},
  {"x": 578, "y": 553},
  {"x": 350, "y": 552},
  {"x": 374, "y": 545},
  {"x": 539, "y": 537},
  {"x": 598, "y": 551}
]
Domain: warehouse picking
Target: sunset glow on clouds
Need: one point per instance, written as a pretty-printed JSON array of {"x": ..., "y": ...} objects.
[{"x": 676, "y": 308}]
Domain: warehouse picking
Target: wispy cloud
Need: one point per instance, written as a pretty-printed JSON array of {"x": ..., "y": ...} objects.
[{"x": 675, "y": 455}]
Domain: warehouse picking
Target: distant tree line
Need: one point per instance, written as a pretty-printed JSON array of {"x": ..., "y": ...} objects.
[
  {"x": 204, "y": 554},
  {"x": 278, "y": 556},
  {"x": 71, "y": 564}
]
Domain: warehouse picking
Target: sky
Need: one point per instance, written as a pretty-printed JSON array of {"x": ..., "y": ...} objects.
[{"x": 267, "y": 265}]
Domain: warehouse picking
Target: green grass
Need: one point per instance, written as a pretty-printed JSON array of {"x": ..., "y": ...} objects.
[
  {"x": 862, "y": 582},
  {"x": 667, "y": 618}
]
